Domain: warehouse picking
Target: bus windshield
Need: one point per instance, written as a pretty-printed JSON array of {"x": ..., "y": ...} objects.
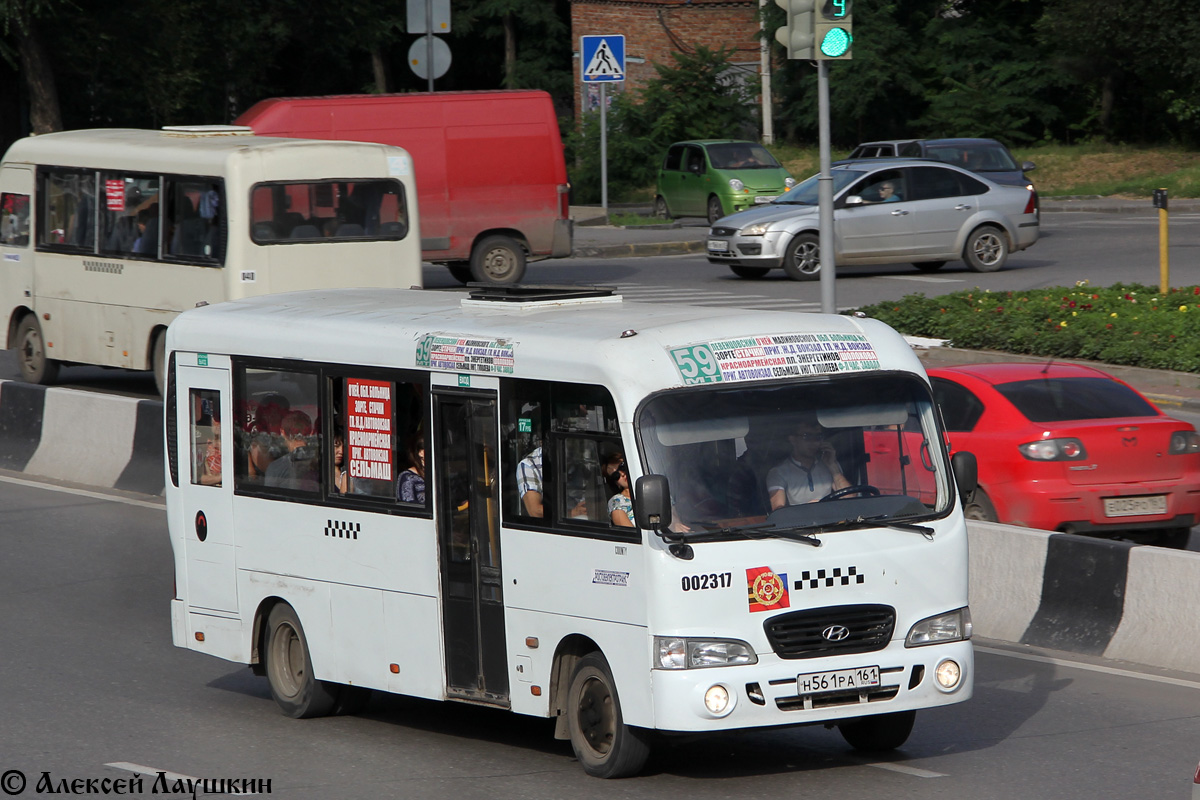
[{"x": 867, "y": 446}]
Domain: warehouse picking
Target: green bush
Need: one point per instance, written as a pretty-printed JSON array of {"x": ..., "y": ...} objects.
[{"x": 1128, "y": 324}]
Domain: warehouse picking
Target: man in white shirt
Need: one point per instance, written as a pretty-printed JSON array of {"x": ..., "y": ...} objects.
[{"x": 809, "y": 473}]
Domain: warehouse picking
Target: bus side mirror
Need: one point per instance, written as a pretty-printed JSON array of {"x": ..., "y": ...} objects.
[
  {"x": 652, "y": 503},
  {"x": 966, "y": 472}
]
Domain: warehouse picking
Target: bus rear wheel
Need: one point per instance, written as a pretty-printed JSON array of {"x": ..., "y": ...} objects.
[
  {"x": 31, "y": 353},
  {"x": 603, "y": 743},
  {"x": 289, "y": 668},
  {"x": 498, "y": 260}
]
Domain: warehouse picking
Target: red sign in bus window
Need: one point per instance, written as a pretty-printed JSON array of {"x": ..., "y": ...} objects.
[{"x": 369, "y": 429}]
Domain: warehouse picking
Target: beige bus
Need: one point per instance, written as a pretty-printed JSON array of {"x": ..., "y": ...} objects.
[{"x": 107, "y": 235}]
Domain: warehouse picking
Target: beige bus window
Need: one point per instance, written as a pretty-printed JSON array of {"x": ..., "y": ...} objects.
[
  {"x": 68, "y": 210},
  {"x": 129, "y": 215},
  {"x": 279, "y": 431},
  {"x": 14, "y": 219},
  {"x": 328, "y": 211}
]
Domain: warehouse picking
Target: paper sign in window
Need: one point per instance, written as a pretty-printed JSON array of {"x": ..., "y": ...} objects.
[{"x": 369, "y": 439}]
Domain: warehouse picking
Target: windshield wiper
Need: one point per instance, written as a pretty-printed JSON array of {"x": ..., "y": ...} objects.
[
  {"x": 881, "y": 521},
  {"x": 762, "y": 530}
]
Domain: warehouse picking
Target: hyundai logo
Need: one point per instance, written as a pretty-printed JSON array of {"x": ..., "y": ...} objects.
[{"x": 835, "y": 633}]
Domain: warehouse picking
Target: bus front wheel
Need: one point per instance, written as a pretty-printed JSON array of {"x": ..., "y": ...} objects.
[
  {"x": 289, "y": 668},
  {"x": 31, "y": 352},
  {"x": 879, "y": 732},
  {"x": 603, "y": 743}
]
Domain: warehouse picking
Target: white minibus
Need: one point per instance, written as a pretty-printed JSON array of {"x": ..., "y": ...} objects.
[
  {"x": 630, "y": 518},
  {"x": 106, "y": 235}
]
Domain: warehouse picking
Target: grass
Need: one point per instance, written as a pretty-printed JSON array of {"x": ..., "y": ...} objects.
[
  {"x": 1089, "y": 169},
  {"x": 1128, "y": 324}
]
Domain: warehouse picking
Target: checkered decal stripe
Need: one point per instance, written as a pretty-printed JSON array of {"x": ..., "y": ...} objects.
[
  {"x": 342, "y": 530},
  {"x": 838, "y": 576}
]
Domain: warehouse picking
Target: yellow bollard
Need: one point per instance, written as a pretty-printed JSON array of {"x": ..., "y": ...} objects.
[{"x": 1164, "y": 269}]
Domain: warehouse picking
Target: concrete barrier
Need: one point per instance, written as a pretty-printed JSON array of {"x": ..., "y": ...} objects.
[
  {"x": 1085, "y": 595},
  {"x": 1073, "y": 593},
  {"x": 82, "y": 437}
]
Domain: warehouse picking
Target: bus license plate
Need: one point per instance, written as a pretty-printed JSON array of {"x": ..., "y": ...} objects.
[
  {"x": 837, "y": 681},
  {"x": 717, "y": 246},
  {"x": 1133, "y": 506}
]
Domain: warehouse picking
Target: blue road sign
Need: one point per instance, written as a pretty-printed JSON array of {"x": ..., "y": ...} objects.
[{"x": 602, "y": 58}]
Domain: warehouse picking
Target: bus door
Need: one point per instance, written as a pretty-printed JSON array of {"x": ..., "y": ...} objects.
[
  {"x": 206, "y": 480},
  {"x": 16, "y": 235},
  {"x": 466, "y": 462}
]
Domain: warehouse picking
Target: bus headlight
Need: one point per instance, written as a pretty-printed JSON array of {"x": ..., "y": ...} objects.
[
  {"x": 716, "y": 700},
  {"x": 948, "y": 675},
  {"x": 677, "y": 653},
  {"x": 953, "y": 626}
]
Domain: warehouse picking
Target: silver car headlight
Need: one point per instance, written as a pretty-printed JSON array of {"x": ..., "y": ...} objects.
[
  {"x": 757, "y": 229},
  {"x": 672, "y": 652},
  {"x": 789, "y": 182},
  {"x": 736, "y": 185},
  {"x": 953, "y": 626}
]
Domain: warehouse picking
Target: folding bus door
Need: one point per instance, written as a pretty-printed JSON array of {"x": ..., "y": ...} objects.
[{"x": 466, "y": 460}]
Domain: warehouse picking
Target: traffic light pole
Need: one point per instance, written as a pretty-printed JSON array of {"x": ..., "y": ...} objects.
[{"x": 825, "y": 194}]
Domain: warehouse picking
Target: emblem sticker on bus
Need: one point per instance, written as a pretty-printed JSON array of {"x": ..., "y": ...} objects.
[
  {"x": 249, "y": 276},
  {"x": 758, "y": 358},
  {"x": 466, "y": 353},
  {"x": 767, "y": 590}
]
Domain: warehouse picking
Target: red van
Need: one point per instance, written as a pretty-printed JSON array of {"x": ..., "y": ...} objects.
[{"x": 491, "y": 179}]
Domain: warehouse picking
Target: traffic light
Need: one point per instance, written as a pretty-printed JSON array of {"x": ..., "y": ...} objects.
[
  {"x": 797, "y": 35},
  {"x": 831, "y": 30}
]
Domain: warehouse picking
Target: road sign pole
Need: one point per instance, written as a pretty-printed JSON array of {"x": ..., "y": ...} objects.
[
  {"x": 429, "y": 40},
  {"x": 825, "y": 194},
  {"x": 603, "y": 152}
]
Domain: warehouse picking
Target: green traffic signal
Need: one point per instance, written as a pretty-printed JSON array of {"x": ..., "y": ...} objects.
[{"x": 835, "y": 42}]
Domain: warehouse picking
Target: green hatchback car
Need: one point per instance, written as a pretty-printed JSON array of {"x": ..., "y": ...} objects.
[{"x": 716, "y": 177}]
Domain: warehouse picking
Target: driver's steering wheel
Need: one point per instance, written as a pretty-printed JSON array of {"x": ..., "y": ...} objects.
[{"x": 859, "y": 488}]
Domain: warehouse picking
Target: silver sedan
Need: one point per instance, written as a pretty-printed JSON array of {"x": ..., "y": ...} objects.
[{"x": 885, "y": 210}]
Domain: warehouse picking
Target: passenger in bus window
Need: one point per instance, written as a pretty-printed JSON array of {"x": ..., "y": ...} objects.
[
  {"x": 258, "y": 457},
  {"x": 410, "y": 486},
  {"x": 295, "y": 469},
  {"x": 529, "y": 483},
  {"x": 341, "y": 480},
  {"x": 210, "y": 472},
  {"x": 620, "y": 505},
  {"x": 810, "y": 472}
]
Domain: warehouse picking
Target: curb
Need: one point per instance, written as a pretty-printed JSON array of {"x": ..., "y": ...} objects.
[
  {"x": 1137, "y": 377},
  {"x": 643, "y": 249}
]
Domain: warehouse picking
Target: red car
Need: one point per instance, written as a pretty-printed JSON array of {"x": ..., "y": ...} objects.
[{"x": 1063, "y": 447}]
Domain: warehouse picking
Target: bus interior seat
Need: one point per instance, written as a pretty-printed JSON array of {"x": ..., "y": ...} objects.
[
  {"x": 394, "y": 229},
  {"x": 350, "y": 229},
  {"x": 306, "y": 232},
  {"x": 264, "y": 232}
]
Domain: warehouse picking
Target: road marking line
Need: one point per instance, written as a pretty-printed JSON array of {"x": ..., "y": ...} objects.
[
  {"x": 169, "y": 776},
  {"x": 922, "y": 279},
  {"x": 914, "y": 771},
  {"x": 82, "y": 492},
  {"x": 1062, "y": 662}
]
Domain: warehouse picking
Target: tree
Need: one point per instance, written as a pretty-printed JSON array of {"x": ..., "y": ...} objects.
[
  {"x": 695, "y": 98},
  {"x": 20, "y": 20}
]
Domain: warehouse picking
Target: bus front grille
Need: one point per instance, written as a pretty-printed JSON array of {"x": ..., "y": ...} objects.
[{"x": 829, "y": 631}]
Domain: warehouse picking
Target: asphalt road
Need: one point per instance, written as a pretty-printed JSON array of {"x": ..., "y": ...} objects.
[{"x": 92, "y": 688}]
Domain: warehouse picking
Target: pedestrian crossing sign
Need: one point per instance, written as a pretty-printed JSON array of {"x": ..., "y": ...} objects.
[{"x": 602, "y": 58}]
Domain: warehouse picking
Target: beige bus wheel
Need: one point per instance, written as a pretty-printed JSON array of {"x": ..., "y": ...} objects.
[
  {"x": 31, "y": 353},
  {"x": 289, "y": 668}
]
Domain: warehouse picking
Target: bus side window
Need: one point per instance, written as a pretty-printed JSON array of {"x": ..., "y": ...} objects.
[
  {"x": 205, "y": 405},
  {"x": 279, "y": 444},
  {"x": 14, "y": 219},
  {"x": 378, "y": 443},
  {"x": 68, "y": 209}
]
